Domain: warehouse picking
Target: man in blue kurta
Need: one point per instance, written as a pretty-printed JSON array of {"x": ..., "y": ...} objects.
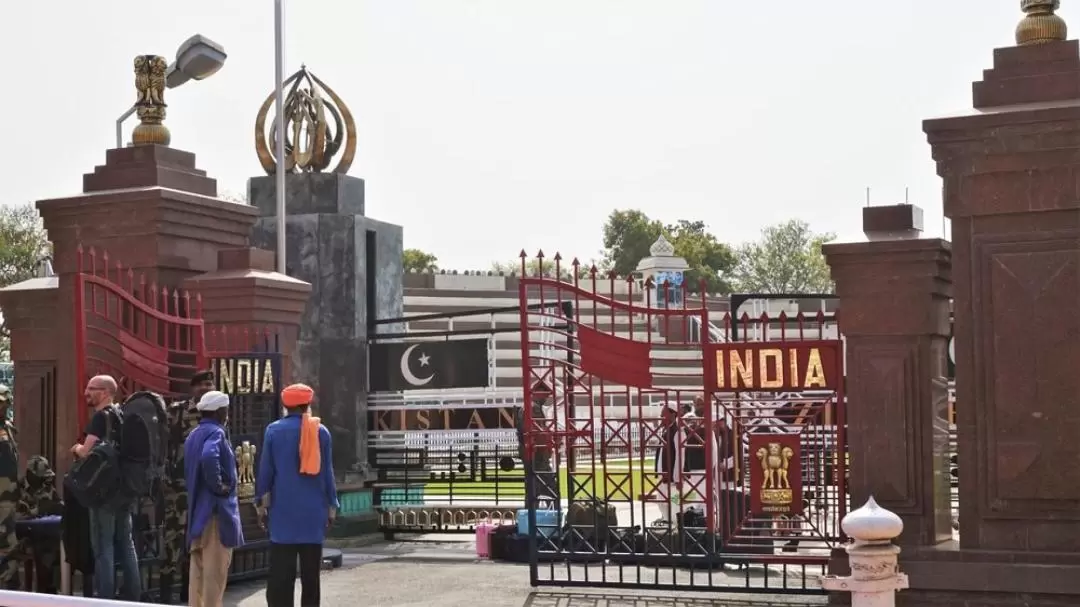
[
  {"x": 214, "y": 529},
  {"x": 296, "y": 497}
]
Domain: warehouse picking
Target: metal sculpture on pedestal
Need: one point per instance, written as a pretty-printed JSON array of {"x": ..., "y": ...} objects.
[
  {"x": 1041, "y": 25},
  {"x": 317, "y": 126},
  {"x": 245, "y": 470},
  {"x": 150, "y": 105}
]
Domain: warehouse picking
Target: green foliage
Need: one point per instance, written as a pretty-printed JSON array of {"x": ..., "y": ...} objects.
[
  {"x": 628, "y": 235},
  {"x": 786, "y": 259},
  {"x": 415, "y": 260},
  {"x": 23, "y": 243}
]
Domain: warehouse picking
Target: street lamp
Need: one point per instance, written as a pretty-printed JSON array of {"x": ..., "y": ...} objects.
[{"x": 197, "y": 58}]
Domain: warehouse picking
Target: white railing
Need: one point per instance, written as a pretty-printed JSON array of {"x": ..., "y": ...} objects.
[
  {"x": 13, "y": 598},
  {"x": 716, "y": 334}
]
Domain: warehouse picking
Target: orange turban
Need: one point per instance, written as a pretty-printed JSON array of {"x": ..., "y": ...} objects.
[{"x": 298, "y": 395}]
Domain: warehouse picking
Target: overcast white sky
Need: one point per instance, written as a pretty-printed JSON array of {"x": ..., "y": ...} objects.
[{"x": 487, "y": 126}]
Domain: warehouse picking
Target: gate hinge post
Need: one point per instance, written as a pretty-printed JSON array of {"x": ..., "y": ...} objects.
[{"x": 875, "y": 576}]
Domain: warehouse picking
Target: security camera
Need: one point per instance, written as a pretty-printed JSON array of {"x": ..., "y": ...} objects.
[{"x": 197, "y": 58}]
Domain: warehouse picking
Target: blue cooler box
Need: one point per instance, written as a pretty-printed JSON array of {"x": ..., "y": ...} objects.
[{"x": 547, "y": 522}]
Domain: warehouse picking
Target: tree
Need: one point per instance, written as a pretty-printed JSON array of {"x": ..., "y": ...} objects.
[
  {"x": 415, "y": 260},
  {"x": 23, "y": 244},
  {"x": 787, "y": 259},
  {"x": 629, "y": 234}
]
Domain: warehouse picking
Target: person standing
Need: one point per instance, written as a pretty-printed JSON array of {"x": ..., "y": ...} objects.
[
  {"x": 183, "y": 418},
  {"x": 38, "y": 497},
  {"x": 9, "y": 490},
  {"x": 295, "y": 497},
  {"x": 668, "y": 463},
  {"x": 110, "y": 524},
  {"x": 213, "y": 529}
]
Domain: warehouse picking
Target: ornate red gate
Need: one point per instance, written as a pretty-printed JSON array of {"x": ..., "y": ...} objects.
[{"x": 665, "y": 456}]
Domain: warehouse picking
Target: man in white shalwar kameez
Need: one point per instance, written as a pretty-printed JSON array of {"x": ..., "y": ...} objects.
[{"x": 680, "y": 462}]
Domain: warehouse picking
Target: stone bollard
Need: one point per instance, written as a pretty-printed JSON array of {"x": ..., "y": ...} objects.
[{"x": 874, "y": 577}]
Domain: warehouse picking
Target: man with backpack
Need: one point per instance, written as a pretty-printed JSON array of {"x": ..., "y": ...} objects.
[
  {"x": 98, "y": 480},
  {"x": 183, "y": 417}
]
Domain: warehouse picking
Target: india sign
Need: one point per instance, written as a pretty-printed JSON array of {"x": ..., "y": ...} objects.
[{"x": 781, "y": 366}]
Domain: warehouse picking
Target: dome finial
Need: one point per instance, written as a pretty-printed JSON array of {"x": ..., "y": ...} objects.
[
  {"x": 662, "y": 248},
  {"x": 872, "y": 523},
  {"x": 1040, "y": 25}
]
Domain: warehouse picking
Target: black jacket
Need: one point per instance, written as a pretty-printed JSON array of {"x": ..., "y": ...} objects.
[{"x": 76, "y": 532}]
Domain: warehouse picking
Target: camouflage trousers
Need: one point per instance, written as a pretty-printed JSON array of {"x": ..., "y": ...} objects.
[
  {"x": 46, "y": 558},
  {"x": 174, "y": 532}
]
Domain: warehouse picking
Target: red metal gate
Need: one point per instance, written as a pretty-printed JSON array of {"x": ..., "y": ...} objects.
[
  {"x": 147, "y": 337},
  {"x": 639, "y": 463}
]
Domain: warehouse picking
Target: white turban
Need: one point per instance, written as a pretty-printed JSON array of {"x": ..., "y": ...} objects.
[{"x": 212, "y": 401}]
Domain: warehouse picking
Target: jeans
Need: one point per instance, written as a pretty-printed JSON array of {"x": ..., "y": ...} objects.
[
  {"x": 281, "y": 585},
  {"x": 111, "y": 539}
]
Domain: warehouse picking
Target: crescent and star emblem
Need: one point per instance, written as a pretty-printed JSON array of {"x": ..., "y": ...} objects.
[{"x": 406, "y": 371}]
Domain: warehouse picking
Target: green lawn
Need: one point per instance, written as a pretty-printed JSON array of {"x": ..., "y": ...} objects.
[{"x": 622, "y": 480}]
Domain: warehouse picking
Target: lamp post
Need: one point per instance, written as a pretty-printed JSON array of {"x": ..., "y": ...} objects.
[
  {"x": 196, "y": 59},
  {"x": 279, "y": 143}
]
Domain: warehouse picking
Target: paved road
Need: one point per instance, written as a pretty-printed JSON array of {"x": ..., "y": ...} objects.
[{"x": 439, "y": 575}]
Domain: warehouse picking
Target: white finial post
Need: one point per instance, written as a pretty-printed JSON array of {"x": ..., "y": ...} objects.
[{"x": 875, "y": 577}]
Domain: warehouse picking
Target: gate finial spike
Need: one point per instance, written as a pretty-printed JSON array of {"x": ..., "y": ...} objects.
[
  {"x": 540, "y": 254},
  {"x": 558, "y": 256},
  {"x": 523, "y": 254}
]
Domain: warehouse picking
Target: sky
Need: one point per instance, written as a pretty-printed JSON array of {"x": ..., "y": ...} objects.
[{"x": 489, "y": 126}]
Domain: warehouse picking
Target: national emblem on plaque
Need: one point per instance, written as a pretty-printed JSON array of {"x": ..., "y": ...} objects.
[{"x": 777, "y": 479}]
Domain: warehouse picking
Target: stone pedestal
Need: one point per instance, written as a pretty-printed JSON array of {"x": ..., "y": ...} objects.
[
  {"x": 150, "y": 208},
  {"x": 1010, "y": 188},
  {"x": 353, "y": 263},
  {"x": 895, "y": 317},
  {"x": 245, "y": 291}
]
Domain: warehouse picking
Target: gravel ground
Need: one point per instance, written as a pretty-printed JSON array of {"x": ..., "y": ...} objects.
[{"x": 443, "y": 574}]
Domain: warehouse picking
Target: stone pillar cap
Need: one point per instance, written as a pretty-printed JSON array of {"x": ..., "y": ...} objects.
[{"x": 872, "y": 523}]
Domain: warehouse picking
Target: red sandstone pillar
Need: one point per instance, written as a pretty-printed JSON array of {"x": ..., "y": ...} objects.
[
  {"x": 245, "y": 291},
  {"x": 1012, "y": 191},
  {"x": 894, "y": 315}
]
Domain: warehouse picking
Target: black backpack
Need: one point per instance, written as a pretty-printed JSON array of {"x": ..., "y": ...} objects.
[
  {"x": 144, "y": 437},
  {"x": 95, "y": 479}
]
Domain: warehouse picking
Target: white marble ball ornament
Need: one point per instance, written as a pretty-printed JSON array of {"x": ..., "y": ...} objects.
[{"x": 872, "y": 523}]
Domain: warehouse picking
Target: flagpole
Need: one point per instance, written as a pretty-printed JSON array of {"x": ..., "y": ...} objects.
[{"x": 279, "y": 143}]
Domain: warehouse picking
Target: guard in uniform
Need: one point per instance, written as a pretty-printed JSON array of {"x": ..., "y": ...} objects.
[
  {"x": 183, "y": 417},
  {"x": 38, "y": 497},
  {"x": 9, "y": 491}
]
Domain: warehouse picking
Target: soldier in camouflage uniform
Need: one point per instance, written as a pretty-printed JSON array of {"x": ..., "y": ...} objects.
[
  {"x": 38, "y": 497},
  {"x": 9, "y": 492},
  {"x": 182, "y": 419}
]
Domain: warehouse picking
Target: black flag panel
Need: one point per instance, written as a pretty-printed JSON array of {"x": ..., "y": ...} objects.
[{"x": 428, "y": 365}]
